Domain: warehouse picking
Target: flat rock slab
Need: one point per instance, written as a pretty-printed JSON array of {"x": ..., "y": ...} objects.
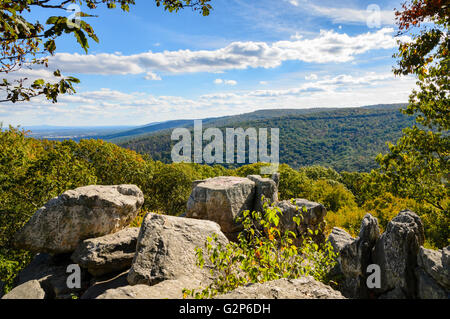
[
  {"x": 85, "y": 212},
  {"x": 168, "y": 289},
  {"x": 109, "y": 253},
  {"x": 29, "y": 290},
  {"x": 301, "y": 288},
  {"x": 166, "y": 248},
  {"x": 221, "y": 199}
]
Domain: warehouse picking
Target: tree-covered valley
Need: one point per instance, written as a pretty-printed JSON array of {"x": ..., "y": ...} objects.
[{"x": 345, "y": 139}]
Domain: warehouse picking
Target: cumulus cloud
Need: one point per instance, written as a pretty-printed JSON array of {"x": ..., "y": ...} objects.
[
  {"x": 110, "y": 107},
  {"x": 328, "y": 46},
  {"x": 226, "y": 82},
  {"x": 152, "y": 77}
]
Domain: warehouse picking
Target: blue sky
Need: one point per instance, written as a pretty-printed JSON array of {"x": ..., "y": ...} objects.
[{"x": 152, "y": 65}]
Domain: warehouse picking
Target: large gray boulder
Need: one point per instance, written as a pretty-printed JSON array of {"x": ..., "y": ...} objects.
[
  {"x": 436, "y": 263},
  {"x": 168, "y": 289},
  {"x": 301, "y": 288},
  {"x": 221, "y": 199},
  {"x": 29, "y": 290},
  {"x": 396, "y": 253},
  {"x": 166, "y": 249},
  {"x": 312, "y": 217},
  {"x": 264, "y": 187},
  {"x": 428, "y": 288},
  {"x": 338, "y": 239},
  {"x": 109, "y": 253},
  {"x": 355, "y": 256},
  {"x": 85, "y": 212}
]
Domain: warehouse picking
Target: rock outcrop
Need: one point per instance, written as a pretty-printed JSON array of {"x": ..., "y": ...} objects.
[
  {"x": 107, "y": 254},
  {"x": 396, "y": 253},
  {"x": 355, "y": 256},
  {"x": 433, "y": 273},
  {"x": 88, "y": 226},
  {"x": 85, "y": 212},
  {"x": 221, "y": 199},
  {"x": 407, "y": 270},
  {"x": 266, "y": 191},
  {"x": 302, "y": 288},
  {"x": 166, "y": 249},
  {"x": 339, "y": 238},
  {"x": 312, "y": 217}
]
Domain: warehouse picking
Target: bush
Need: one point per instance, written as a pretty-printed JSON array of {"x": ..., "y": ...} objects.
[
  {"x": 262, "y": 253},
  {"x": 293, "y": 184},
  {"x": 316, "y": 172},
  {"x": 347, "y": 218},
  {"x": 332, "y": 195}
]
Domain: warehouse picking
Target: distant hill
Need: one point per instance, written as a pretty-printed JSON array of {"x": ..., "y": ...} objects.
[
  {"x": 342, "y": 138},
  {"x": 72, "y": 132}
]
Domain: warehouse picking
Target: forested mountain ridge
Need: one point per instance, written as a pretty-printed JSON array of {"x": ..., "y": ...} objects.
[{"x": 344, "y": 139}]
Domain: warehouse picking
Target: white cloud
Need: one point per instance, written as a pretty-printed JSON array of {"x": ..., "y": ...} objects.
[
  {"x": 327, "y": 47},
  {"x": 152, "y": 76},
  {"x": 106, "y": 106},
  {"x": 349, "y": 15},
  {"x": 226, "y": 82},
  {"x": 263, "y": 82},
  {"x": 311, "y": 76}
]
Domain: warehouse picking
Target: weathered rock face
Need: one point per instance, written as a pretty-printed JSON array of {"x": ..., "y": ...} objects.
[
  {"x": 51, "y": 274},
  {"x": 437, "y": 264},
  {"x": 339, "y": 238},
  {"x": 312, "y": 218},
  {"x": 168, "y": 289},
  {"x": 86, "y": 212},
  {"x": 433, "y": 273},
  {"x": 264, "y": 187},
  {"x": 428, "y": 288},
  {"x": 221, "y": 199},
  {"x": 302, "y": 288},
  {"x": 107, "y": 254},
  {"x": 276, "y": 178},
  {"x": 29, "y": 290},
  {"x": 355, "y": 256},
  {"x": 166, "y": 249},
  {"x": 396, "y": 253}
]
